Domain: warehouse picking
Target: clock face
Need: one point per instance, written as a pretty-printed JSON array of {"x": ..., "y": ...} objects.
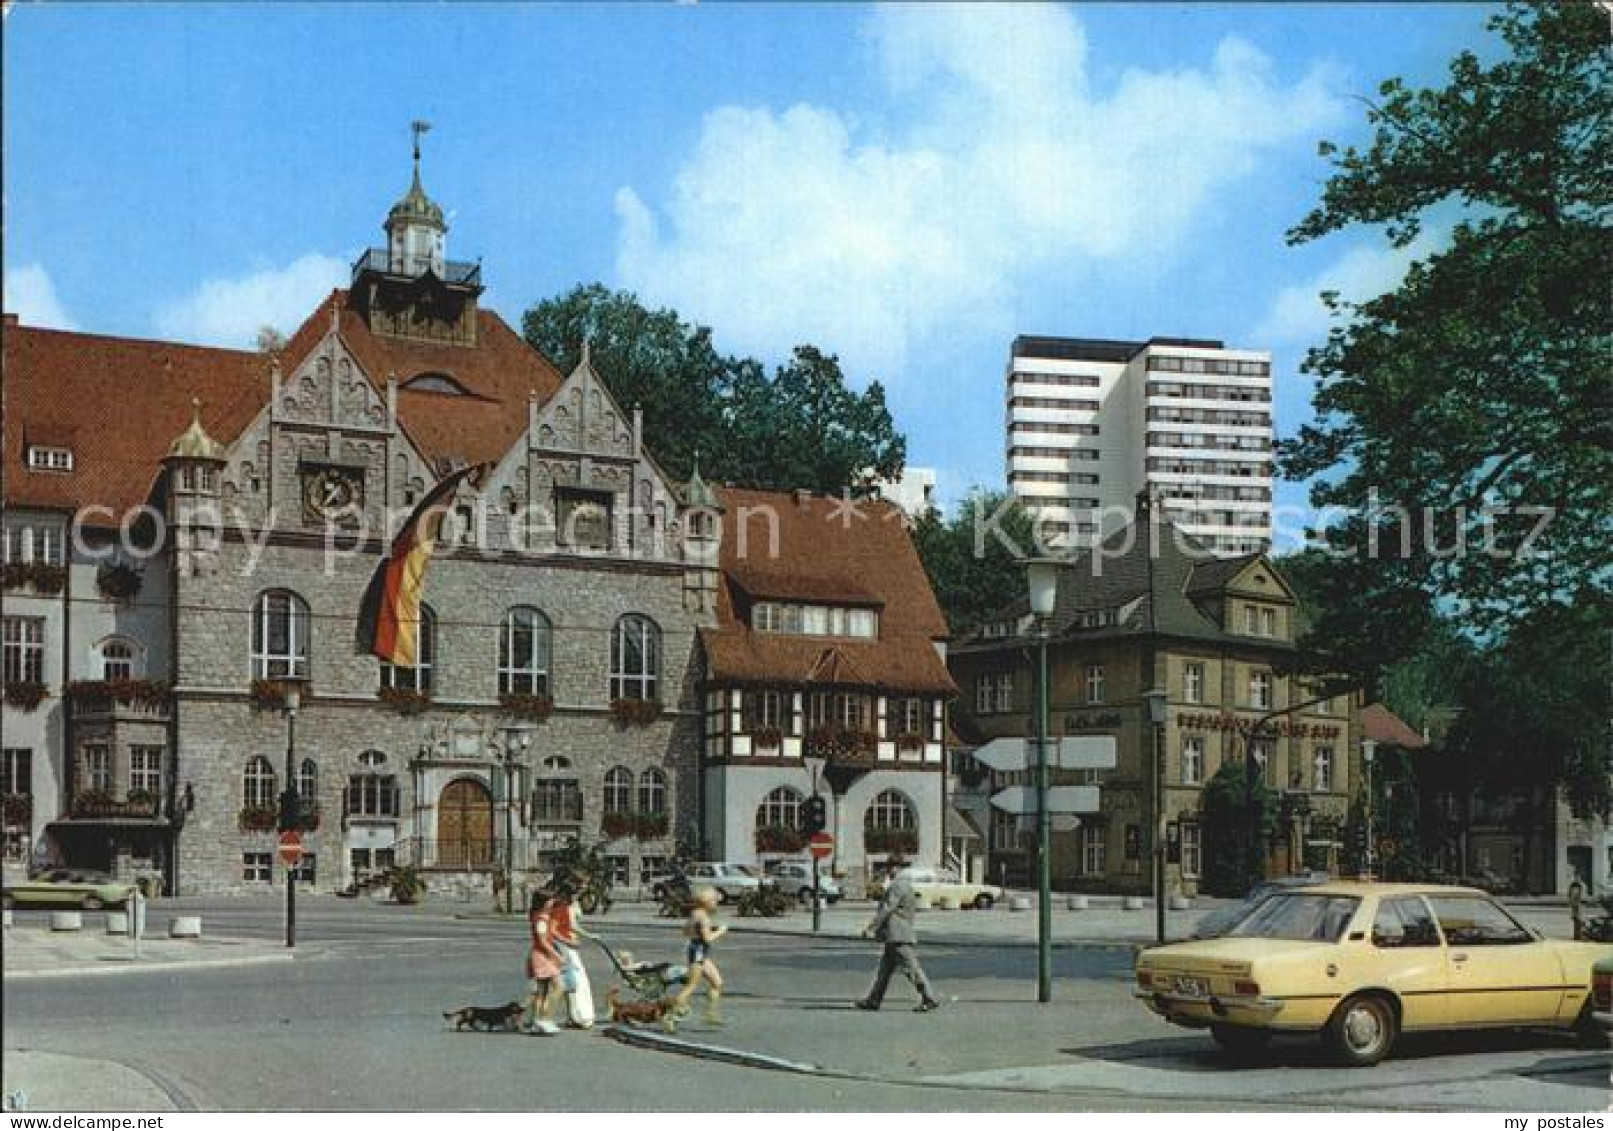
[{"x": 330, "y": 493}]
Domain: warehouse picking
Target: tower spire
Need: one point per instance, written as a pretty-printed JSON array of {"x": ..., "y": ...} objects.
[{"x": 418, "y": 127}]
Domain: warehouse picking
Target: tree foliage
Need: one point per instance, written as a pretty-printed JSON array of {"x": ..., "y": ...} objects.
[
  {"x": 801, "y": 427},
  {"x": 1470, "y": 406},
  {"x": 1232, "y": 860},
  {"x": 975, "y": 574}
]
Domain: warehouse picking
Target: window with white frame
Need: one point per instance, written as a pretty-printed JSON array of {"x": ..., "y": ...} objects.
[
  {"x": 814, "y": 620},
  {"x": 994, "y": 692},
  {"x": 1004, "y": 831},
  {"x": 909, "y": 717},
  {"x": 307, "y": 869},
  {"x": 652, "y": 793},
  {"x": 22, "y": 650},
  {"x": 1322, "y": 770},
  {"x": 1192, "y": 850},
  {"x": 257, "y": 783},
  {"x": 1095, "y": 683},
  {"x": 764, "y": 708},
  {"x": 416, "y": 676},
  {"x": 525, "y": 646},
  {"x": 557, "y": 801},
  {"x": 780, "y": 809},
  {"x": 1192, "y": 759},
  {"x": 97, "y": 766},
  {"x": 1094, "y": 849},
  {"x": 33, "y": 543},
  {"x": 17, "y": 771},
  {"x": 1268, "y": 622},
  {"x": 145, "y": 769},
  {"x": 650, "y": 868},
  {"x": 618, "y": 790},
  {"x": 1193, "y": 683},
  {"x": 117, "y": 659},
  {"x": 256, "y": 866},
  {"x": 280, "y": 626},
  {"x": 307, "y": 780},
  {"x": 48, "y": 457},
  {"x": 1323, "y": 707},
  {"x": 635, "y": 658},
  {"x": 1260, "y": 690},
  {"x": 372, "y": 795},
  {"x": 890, "y": 810}
]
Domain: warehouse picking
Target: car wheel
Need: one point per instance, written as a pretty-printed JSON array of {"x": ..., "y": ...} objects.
[
  {"x": 91, "y": 903},
  {"x": 1363, "y": 1030},
  {"x": 983, "y": 902},
  {"x": 1588, "y": 1029},
  {"x": 1240, "y": 1040}
]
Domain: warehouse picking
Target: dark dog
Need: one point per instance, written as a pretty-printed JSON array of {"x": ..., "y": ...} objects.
[
  {"x": 486, "y": 1017},
  {"x": 636, "y": 1012}
]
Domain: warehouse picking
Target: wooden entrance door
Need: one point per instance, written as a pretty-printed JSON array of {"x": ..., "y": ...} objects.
[{"x": 465, "y": 826}]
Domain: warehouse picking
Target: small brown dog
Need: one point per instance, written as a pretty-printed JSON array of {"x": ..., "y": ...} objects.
[
  {"x": 636, "y": 1012},
  {"x": 486, "y": 1017}
]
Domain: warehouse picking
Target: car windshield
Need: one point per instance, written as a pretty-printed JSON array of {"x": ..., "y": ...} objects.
[{"x": 1311, "y": 918}]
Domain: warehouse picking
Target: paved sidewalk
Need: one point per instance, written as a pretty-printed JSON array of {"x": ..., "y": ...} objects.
[
  {"x": 38, "y": 952},
  {"x": 46, "y": 1081}
]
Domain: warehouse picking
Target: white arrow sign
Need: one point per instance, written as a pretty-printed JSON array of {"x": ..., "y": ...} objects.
[
  {"x": 1060, "y": 799},
  {"x": 1072, "y": 752}
]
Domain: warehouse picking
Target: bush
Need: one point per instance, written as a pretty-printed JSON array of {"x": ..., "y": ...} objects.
[
  {"x": 1233, "y": 861},
  {"x": 406, "y": 885}
]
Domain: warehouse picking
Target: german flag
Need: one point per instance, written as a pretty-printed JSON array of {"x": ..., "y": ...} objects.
[{"x": 389, "y": 622}]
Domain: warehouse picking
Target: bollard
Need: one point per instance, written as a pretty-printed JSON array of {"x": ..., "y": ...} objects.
[
  {"x": 1077, "y": 903},
  {"x": 185, "y": 927},
  {"x": 117, "y": 923},
  {"x": 1019, "y": 903},
  {"x": 1133, "y": 903},
  {"x": 8, "y": 918},
  {"x": 1181, "y": 903},
  {"x": 66, "y": 920}
]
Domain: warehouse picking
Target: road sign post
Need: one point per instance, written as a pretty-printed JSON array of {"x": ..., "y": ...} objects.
[
  {"x": 820, "y": 845},
  {"x": 290, "y": 850}
]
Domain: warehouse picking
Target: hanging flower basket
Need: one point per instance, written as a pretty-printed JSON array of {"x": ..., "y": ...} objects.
[
  {"x": 258, "y": 818},
  {"x": 533, "y": 708},
  {"x": 268, "y": 695},
  {"x": 118, "y": 581},
  {"x": 25, "y": 696},
  {"x": 404, "y": 700},
  {"x": 617, "y": 825},
  {"x": 891, "y": 842},
  {"x": 46, "y": 580},
  {"x": 308, "y": 818},
  {"x": 635, "y": 712},
  {"x": 650, "y": 826},
  {"x": 779, "y": 838}
]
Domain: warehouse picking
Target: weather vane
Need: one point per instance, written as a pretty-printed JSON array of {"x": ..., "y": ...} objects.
[{"x": 418, "y": 127}]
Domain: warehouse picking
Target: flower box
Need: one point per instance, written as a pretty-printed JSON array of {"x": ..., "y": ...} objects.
[
  {"x": 891, "y": 842},
  {"x": 841, "y": 744},
  {"x": 650, "y": 826},
  {"x": 635, "y": 712},
  {"x": 101, "y": 694},
  {"x": 46, "y": 580},
  {"x": 618, "y": 825},
  {"x": 404, "y": 700},
  {"x": 16, "y": 808},
  {"x": 25, "y": 696},
  {"x": 910, "y": 742},
  {"x": 767, "y": 738},
  {"x": 779, "y": 838},
  {"x": 534, "y": 708},
  {"x": 258, "y": 818}
]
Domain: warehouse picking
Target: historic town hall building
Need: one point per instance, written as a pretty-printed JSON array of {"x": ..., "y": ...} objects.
[{"x": 604, "y": 653}]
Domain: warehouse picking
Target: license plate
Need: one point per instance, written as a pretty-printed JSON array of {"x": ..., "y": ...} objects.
[{"x": 1190, "y": 987}]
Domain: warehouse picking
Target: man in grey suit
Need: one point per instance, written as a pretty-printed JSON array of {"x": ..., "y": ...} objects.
[{"x": 893, "y": 925}]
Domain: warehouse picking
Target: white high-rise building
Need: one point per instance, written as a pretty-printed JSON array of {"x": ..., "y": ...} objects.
[{"x": 1093, "y": 422}]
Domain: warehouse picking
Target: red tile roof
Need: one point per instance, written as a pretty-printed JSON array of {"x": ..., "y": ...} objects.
[
  {"x": 825, "y": 554},
  {"x": 117, "y": 403},
  {"x": 1381, "y": 724}
]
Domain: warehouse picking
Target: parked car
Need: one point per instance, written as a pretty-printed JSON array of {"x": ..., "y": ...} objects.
[
  {"x": 730, "y": 880},
  {"x": 1359, "y": 963},
  {"x": 69, "y": 887},
  {"x": 794, "y": 879},
  {"x": 1223, "y": 919},
  {"x": 1602, "y": 992},
  {"x": 932, "y": 884}
]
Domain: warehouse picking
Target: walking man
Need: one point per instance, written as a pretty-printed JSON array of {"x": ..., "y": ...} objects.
[{"x": 894, "y": 926}]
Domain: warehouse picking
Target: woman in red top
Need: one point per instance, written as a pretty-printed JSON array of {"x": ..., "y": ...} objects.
[{"x": 543, "y": 964}]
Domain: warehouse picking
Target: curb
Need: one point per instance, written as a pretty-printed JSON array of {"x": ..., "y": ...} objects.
[
  {"x": 642, "y": 1038},
  {"x": 129, "y": 966}
]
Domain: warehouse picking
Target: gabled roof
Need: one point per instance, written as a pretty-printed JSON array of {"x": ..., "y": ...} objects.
[
  {"x": 118, "y": 403},
  {"x": 827, "y": 551},
  {"x": 1380, "y": 724},
  {"x": 499, "y": 374}
]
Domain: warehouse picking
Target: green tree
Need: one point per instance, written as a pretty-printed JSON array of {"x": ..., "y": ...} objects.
[
  {"x": 974, "y": 572},
  {"x": 801, "y": 427},
  {"x": 1231, "y": 811},
  {"x": 1470, "y": 406}
]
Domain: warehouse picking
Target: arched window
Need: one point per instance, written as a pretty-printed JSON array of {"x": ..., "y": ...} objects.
[
  {"x": 618, "y": 790},
  {"x": 279, "y": 636},
  {"x": 258, "y": 787},
  {"x": 525, "y": 644},
  {"x": 635, "y": 658},
  {"x": 780, "y": 809},
  {"x": 418, "y": 677},
  {"x": 890, "y": 810},
  {"x": 652, "y": 793},
  {"x": 308, "y": 780},
  {"x": 118, "y": 659}
]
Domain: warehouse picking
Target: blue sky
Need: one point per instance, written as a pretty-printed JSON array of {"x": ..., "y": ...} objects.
[{"x": 907, "y": 187}]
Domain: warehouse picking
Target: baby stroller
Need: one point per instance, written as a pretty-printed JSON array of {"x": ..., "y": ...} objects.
[{"x": 649, "y": 981}]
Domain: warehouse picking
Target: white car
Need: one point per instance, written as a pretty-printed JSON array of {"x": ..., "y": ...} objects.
[
  {"x": 730, "y": 880},
  {"x": 794, "y": 878},
  {"x": 931, "y": 885}
]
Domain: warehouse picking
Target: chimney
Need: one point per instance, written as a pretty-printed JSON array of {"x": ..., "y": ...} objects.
[{"x": 803, "y": 497}]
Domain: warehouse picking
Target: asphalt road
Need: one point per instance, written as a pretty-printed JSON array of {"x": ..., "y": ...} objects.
[{"x": 355, "y": 1024}]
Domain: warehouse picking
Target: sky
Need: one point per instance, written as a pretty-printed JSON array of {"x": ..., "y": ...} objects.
[{"x": 908, "y": 187}]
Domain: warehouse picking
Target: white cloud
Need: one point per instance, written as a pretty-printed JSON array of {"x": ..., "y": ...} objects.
[
  {"x": 1297, "y": 315},
  {"x": 31, "y": 296},
  {"x": 229, "y": 312},
  {"x": 803, "y": 224}
]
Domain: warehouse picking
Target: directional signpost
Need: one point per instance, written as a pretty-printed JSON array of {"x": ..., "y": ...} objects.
[
  {"x": 1060, "y": 799},
  {"x": 1071, "y": 752}
]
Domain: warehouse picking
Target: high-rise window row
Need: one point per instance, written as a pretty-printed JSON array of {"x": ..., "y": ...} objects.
[
  {"x": 1032, "y": 452},
  {"x": 1165, "y": 363}
]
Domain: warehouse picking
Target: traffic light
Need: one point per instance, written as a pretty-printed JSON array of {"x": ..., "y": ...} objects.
[
  {"x": 815, "y": 815},
  {"x": 290, "y": 810}
]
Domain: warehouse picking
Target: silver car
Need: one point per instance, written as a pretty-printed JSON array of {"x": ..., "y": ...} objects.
[{"x": 794, "y": 879}]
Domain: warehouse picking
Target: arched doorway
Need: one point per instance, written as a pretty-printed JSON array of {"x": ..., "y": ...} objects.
[{"x": 465, "y": 826}]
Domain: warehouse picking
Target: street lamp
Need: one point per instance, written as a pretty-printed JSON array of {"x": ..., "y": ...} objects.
[
  {"x": 1156, "y": 700},
  {"x": 507, "y": 780},
  {"x": 1369, "y": 750},
  {"x": 815, "y": 764},
  {"x": 1041, "y": 576},
  {"x": 290, "y": 803}
]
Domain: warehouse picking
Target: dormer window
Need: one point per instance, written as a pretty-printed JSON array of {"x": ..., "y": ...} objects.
[
  {"x": 814, "y": 620},
  {"x": 42, "y": 457},
  {"x": 435, "y": 383}
]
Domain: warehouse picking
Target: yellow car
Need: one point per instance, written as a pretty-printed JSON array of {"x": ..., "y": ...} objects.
[{"x": 1360, "y": 963}]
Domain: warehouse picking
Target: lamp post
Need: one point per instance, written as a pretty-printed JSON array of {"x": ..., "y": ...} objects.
[
  {"x": 290, "y": 803},
  {"x": 1156, "y": 699},
  {"x": 1369, "y": 750},
  {"x": 517, "y": 741},
  {"x": 1041, "y": 576},
  {"x": 815, "y": 764}
]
